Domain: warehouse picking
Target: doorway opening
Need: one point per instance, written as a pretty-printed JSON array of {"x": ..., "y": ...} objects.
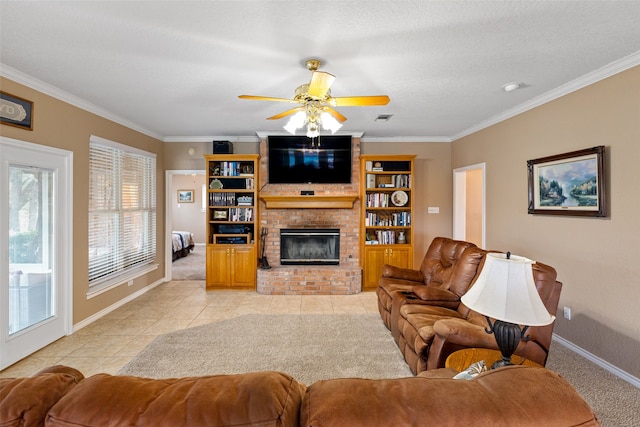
[
  {"x": 469, "y": 188},
  {"x": 186, "y": 217}
]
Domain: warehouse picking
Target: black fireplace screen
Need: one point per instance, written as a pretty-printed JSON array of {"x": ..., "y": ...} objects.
[{"x": 310, "y": 246}]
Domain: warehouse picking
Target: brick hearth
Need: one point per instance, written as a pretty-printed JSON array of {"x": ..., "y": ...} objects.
[
  {"x": 345, "y": 278},
  {"x": 310, "y": 280}
]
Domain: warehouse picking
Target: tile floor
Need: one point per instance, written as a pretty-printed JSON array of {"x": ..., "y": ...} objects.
[{"x": 109, "y": 343}]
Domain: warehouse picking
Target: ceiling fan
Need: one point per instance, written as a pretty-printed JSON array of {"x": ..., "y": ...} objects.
[{"x": 316, "y": 103}]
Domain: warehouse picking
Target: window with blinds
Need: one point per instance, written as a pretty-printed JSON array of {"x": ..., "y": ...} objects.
[{"x": 122, "y": 209}]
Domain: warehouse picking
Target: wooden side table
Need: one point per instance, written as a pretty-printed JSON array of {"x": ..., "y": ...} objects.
[{"x": 461, "y": 359}]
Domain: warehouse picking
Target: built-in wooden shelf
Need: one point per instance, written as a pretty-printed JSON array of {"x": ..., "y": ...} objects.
[{"x": 310, "y": 202}]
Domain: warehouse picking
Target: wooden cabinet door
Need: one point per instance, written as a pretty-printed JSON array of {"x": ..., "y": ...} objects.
[
  {"x": 244, "y": 265},
  {"x": 399, "y": 257},
  {"x": 374, "y": 258},
  {"x": 218, "y": 266}
]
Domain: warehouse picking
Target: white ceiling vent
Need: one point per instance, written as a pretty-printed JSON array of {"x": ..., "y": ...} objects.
[{"x": 383, "y": 117}]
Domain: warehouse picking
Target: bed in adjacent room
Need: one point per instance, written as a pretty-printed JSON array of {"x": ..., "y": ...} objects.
[{"x": 182, "y": 244}]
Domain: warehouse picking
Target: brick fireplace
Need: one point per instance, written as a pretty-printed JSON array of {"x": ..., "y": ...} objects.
[{"x": 303, "y": 212}]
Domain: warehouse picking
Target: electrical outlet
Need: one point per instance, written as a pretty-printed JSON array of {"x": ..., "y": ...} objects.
[{"x": 567, "y": 313}]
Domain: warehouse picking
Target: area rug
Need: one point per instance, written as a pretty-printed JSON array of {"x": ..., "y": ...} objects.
[{"x": 308, "y": 347}]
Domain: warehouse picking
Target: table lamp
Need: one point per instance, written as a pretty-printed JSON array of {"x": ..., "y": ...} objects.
[{"x": 505, "y": 291}]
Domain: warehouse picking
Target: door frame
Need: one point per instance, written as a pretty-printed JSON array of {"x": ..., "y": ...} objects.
[
  {"x": 63, "y": 278},
  {"x": 168, "y": 213},
  {"x": 460, "y": 204}
]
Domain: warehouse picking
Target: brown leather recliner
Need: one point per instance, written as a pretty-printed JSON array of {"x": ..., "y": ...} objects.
[
  {"x": 435, "y": 271},
  {"x": 428, "y": 334}
]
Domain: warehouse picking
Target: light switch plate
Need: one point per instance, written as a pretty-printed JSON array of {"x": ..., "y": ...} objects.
[{"x": 433, "y": 209}]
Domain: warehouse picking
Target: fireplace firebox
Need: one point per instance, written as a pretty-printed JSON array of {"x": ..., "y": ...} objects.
[{"x": 310, "y": 246}]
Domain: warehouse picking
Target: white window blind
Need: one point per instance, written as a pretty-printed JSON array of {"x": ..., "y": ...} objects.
[{"x": 122, "y": 209}]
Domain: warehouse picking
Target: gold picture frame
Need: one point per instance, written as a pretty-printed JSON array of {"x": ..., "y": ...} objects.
[{"x": 185, "y": 196}]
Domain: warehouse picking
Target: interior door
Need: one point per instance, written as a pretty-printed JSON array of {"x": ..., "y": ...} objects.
[
  {"x": 35, "y": 248},
  {"x": 469, "y": 204}
]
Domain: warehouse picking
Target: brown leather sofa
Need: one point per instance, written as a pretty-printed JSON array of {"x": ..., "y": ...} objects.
[
  {"x": 436, "y": 273},
  {"x": 509, "y": 396},
  {"x": 429, "y": 322}
]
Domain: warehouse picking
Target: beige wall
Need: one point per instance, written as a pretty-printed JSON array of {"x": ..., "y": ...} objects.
[
  {"x": 188, "y": 216},
  {"x": 60, "y": 125},
  {"x": 178, "y": 158},
  {"x": 596, "y": 259}
]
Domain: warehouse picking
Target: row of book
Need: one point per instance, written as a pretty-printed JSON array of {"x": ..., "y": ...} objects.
[
  {"x": 230, "y": 199},
  {"x": 396, "y": 219},
  {"x": 231, "y": 169},
  {"x": 396, "y": 181},
  {"x": 240, "y": 215},
  {"x": 384, "y": 237},
  {"x": 378, "y": 200}
]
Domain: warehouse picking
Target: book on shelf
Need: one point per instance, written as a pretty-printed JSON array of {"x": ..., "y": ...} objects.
[{"x": 371, "y": 180}]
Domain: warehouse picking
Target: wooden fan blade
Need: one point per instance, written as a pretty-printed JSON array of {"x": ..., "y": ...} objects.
[
  {"x": 339, "y": 117},
  {"x": 265, "y": 98},
  {"x": 360, "y": 101},
  {"x": 286, "y": 113},
  {"x": 320, "y": 83}
]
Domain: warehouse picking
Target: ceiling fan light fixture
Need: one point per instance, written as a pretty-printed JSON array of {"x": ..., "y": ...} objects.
[
  {"x": 329, "y": 122},
  {"x": 312, "y": 130},
  {"x": 295, "y": 122},
  {"x": 316, "y": 104}
]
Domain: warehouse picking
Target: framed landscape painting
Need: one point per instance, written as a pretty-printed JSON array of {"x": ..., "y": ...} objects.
[
  {"x": 568, "y": 184},
  {"x": 185, "y": 196}
]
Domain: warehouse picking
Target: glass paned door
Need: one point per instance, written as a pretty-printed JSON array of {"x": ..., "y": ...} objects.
[
  {"x": 31, "y": 283},
  {"x": 36, "y": 237}
]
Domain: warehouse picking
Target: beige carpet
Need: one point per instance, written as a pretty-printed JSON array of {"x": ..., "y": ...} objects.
[
  {"x": 191, "y": 267},
  {"x": 308, "y": 347},
  {"x": 615, "y": 401},
  {"x": 313, "y": 347}
]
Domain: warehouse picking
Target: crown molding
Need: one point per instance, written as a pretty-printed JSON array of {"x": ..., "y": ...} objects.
[
  {"x": 609, "y": 70},
  {"x": 211, "y": 138},
  {"x": 47, "y": 89},
  {"x": 407, "y": 139},
  {"x": 263, "y": 134}
]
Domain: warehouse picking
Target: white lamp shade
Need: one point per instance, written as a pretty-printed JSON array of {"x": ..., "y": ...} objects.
[{"x": 505, "y": 290}]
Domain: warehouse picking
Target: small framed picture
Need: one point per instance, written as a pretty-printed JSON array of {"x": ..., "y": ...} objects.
[
  {"x": 220, "y": 215},
  {"x": 185, "y": 196},
  {"x": 568, "y": 184},
  {"x": 16, "y": 111}
]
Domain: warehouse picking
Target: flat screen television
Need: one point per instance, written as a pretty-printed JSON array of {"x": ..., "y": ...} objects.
[{"x": 292, "y": 160}]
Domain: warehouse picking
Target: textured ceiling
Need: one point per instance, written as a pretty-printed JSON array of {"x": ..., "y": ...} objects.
[{"x": 173, "y": 69}]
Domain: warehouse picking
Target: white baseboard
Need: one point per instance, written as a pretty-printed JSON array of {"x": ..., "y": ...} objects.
[
  {"x": 598, "y": 361},
  {"x": 118, "y": 304}
]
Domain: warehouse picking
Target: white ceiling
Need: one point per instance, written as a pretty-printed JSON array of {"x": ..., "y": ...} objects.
[{"x": 174, "y": 69}]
